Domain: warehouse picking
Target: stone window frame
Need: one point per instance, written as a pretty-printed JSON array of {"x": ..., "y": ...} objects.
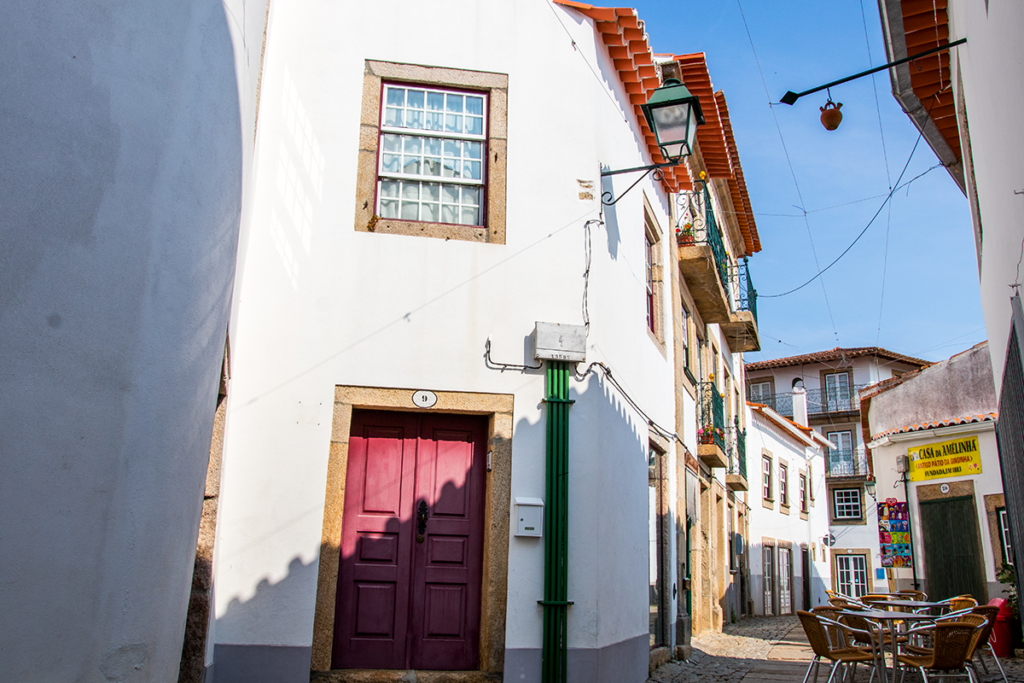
[
  {"x": 495, "y": 85},
  {"x": 494, "y": 584},
  {"x": 847, "y": 520}
]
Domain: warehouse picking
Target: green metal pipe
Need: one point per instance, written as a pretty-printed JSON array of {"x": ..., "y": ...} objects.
[{"x": 556, "y": 526}]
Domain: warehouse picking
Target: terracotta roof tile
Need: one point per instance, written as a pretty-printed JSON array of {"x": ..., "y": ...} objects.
[
  {"x": 737, "y": 184},
  {"x": 835, "y": 354},
  {"x": 950, "y": 422}
]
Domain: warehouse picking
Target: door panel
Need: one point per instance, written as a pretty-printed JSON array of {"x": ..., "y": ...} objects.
[
  {"x": 952, "y": 549},
  {"x": 409, "y": 598},
  {"x": 371, "y": 614}
]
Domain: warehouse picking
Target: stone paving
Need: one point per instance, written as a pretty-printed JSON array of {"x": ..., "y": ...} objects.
[{"x": 770, "y": 650}]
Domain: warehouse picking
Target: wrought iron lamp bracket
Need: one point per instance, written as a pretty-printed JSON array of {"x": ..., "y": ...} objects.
[{"x": 606, "y": 197}]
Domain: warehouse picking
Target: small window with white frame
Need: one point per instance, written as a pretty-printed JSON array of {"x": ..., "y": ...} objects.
[
  {"x": 803, "y": 493},
  {"x": 1004, "y": 535},
  {"x": 784, "y": 485},
  {"x": 846, "y": 504},
  {"x": 766, "y": 477},
  {"x": 433, "y": 148}
]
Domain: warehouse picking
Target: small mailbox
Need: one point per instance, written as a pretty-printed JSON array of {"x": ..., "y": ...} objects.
[{"x": 529, "y": 517}]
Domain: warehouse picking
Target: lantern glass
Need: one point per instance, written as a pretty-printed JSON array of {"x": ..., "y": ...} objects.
[{"x": 673, "y": 115}]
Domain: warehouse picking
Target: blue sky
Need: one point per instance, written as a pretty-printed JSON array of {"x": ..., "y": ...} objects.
[{"x": 930, "y": 306}]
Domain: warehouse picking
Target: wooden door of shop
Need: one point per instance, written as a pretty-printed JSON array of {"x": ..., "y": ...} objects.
[
  {"x": 952, "y": 549},
  {"x": 412, "y": 543}
]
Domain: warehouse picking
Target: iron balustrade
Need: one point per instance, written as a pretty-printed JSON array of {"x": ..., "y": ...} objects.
[
  {"x": 736, "y": 447},
  {"x": 712, "y": 415},
  {"x": 698, "y": 225},
  {"x": 819, "y": 402},
  {"x": 847, "y": 462},
  {"x": 746, "y": 295}
]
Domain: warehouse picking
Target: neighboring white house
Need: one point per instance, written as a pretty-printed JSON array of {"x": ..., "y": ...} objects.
[
  {"x": 832, "y": 379},
  {"x": 965, "y": 102},
  {"x": 932, "y": 436},
  {"x": 428, "y": 187},
  {"x": 788, "y": 560}
]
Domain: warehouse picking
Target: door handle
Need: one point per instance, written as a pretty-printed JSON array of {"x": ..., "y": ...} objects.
[{"x": 421, "y": 521}]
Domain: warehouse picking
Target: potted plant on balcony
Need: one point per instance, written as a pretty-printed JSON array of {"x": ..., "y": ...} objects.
[{"x": 684, "y": 235}]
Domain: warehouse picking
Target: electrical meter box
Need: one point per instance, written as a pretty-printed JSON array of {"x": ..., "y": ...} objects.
[
  {"x": 902, "y": 465},
  {"x": 554, "y": 341},
  {"x": 529, "y": 517}
]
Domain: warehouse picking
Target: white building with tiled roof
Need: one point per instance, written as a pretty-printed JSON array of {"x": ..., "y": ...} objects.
[{"x": 931, "y": 435}]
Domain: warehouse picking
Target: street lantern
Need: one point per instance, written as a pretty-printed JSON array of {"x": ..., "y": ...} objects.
[{"x": 673, "y": 114}]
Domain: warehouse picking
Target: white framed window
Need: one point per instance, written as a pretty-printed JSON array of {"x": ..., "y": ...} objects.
[
  {"x": 784, "y": 485},
  {"x": 1004, "y": 535},
  {"x": 649, "y": 277},
  {"x": 433, "y": 151},
  {"x": 761, "y": 392},
  {"x": 852, "y": 575},
  {"x": 846, "y": 504},
  {"x": 766, "y": 477},
  {"x": 803, "y": 493},
  {"x": 837, "y": 392}
]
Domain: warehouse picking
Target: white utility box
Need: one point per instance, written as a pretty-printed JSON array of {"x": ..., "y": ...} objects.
[
  {"x": 529, "y": 517},
  {"x": 555, "y": 341}
]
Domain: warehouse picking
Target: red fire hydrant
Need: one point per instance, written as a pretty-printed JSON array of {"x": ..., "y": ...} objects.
[{"x": 1001, "y": 638}]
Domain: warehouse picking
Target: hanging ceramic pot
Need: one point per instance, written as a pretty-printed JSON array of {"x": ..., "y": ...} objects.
[{"x": 831, "y": 117}]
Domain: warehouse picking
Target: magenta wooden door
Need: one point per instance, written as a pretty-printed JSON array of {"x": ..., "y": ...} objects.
[{"x": 412, "y": 543}]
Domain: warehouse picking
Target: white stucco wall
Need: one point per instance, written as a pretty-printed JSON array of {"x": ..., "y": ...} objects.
[
  {"x": 320, "y": 305},
  {"x": 121, "y": 177},
  {"x": 993, "y": 51},
  {"x": 765, "y": 435}
]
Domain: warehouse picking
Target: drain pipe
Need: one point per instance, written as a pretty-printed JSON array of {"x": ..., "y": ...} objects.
[{"x": 556, "y": 526}]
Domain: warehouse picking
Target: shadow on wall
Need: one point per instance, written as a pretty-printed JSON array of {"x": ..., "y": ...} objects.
[{"x": 756, "y": 562}]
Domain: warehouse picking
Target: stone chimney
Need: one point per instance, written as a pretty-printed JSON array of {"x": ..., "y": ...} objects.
[{"x": 800, "y": 406}]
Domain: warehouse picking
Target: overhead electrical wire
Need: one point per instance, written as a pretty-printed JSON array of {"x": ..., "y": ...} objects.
[{"x": 792, "y": 171}]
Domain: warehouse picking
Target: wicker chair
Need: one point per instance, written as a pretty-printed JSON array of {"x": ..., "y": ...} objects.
[
  {"x": 835, "y": 636},
  {"x": 962, "y": 602},
  {"x": 913, "y": 595},
  {"x": 817, "y": 629},
  {"x": 989, "y": 612},
  {"x": 874, "y": 598},
  {"x": 954, "y": 642}
]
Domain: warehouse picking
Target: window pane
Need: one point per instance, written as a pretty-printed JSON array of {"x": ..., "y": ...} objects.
[
  {"x": 434, "y": 121},
  {"x": 392, "y": 143},
  {"x": 450, "y": 194},
  {"x": 432, "y": 146},
  {"x": 389, "y": 208},
  {"x": 396, "y": 96},
  {"x": 451, "y": 168},
  {"x": 410, "y": 190},
  {"x": 429, "y": 212},
  {"x": 389, "y": 188},
  {"x": 413, "y": 144},
  {"x": 469, "y": 215},
  {"x": 390, "y": 163},
  {"x": 474, "y": 105},
  {"x": 452, "y": 148},
  {"x": 431, "y": 192},
  {"x": 474, "y": 125},
  {"x": 471, "y": 195},
  {"x": 414, "y": 119},
  {"x": 410, "y": 211},
  {"x": 393, "y": 117},
  {"x": 432, "y": 166},
  {"x": 471, "y": 150},
  {"x": 411, "y": 165},
  {"x": 415, "y": 99},
  {"x": 448, "y": 214},
  {"x": 471, "y": 169},
  {"x": 435, "y": 101},
  {"x": 454, "y": 103},
  {"x": 453, "y": 123}
]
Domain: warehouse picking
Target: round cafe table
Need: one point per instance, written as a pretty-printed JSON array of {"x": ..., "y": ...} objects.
[
  {"x": 890, "y": 621},
  {"x": 910, "y": 604}
]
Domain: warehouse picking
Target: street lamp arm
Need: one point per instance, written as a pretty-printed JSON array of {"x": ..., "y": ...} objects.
[
  {"x": 791, "y": 97},
  {"x": 606, "y": 197}
]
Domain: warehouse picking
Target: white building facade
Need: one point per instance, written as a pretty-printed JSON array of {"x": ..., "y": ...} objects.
[
  {"x": 788, "y": 555},
  {"x": 933, "y": 444}
]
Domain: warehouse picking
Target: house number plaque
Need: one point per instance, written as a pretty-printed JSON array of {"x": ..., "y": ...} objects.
[{"x": 424, "y": 399}]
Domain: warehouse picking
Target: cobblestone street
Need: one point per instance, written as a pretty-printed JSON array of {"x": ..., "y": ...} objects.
[{"x": 769, "y": 650}]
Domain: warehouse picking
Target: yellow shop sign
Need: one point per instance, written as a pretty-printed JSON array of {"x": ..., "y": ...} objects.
[{"x": 956, "y": 458}]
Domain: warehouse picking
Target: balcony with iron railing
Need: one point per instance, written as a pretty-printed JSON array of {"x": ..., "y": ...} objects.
[
  {"x": 736, "y": 475},
  {"x": 819, "y": 402},
  {"x": 703, "y": 260},
  {"x": 847, "y": 462},
  {"x": 711, "y": 433},
  {"x": 741, "y": 330}
]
